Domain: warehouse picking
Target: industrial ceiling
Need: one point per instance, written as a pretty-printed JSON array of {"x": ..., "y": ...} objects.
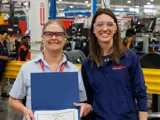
[{"x": 61, "y": 4}]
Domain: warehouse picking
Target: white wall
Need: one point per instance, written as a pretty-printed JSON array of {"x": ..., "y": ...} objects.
[
  {"x": 35, "y": 26},
  {"x": 34, "y": 18}
]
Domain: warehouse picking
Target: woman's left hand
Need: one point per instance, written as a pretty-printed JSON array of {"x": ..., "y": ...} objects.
[{"x": 85, "y": 108}]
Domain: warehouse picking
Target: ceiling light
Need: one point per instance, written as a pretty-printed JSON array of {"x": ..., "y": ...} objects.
[
  {"x": 25, "y": 3},
  {"x": 119, "y": 9},
  {"x": 128, "y": 1},
  {"x": 137, "y": 6},
  {"x": 148, "y": 3},
  {"x": 134, "y": 10},
  {"x": 88, "y": 5},
  {"x": 60, "y": 0},
  {"x": 4, "y": 1},
  {"x": 71, "y": 6},
  {"x": 151, "y": 0},
  {"x": 149, "y": 6},
  {"x": 86, "y": 1}
]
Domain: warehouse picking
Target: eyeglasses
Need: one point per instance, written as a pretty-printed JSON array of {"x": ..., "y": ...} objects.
[
  {"x": 102, "y": 24},
  {"x": 50, "y": 34}
]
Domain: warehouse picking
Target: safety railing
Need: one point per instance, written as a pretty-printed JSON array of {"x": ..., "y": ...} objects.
[
  {"x": 152, "y": 80},
  {"x": 12, "y": 69},
  {"x": 152, "y": 76}
]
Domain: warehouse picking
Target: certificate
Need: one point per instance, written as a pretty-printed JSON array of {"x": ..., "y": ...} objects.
[{"x": 67, "y": 114}]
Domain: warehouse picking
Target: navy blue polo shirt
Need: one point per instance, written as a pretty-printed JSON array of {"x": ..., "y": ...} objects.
[
  {"x": 3, "y": 52},
  {"x": 113, "y": 89}
]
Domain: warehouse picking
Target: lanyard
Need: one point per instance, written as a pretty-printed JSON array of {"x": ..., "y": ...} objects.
[{"x": 61, "y": 68}]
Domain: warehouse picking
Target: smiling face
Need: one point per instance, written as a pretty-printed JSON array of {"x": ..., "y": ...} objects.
[
  {"x": 53, "y": 37},
  {"x": 105, "y": 36},
  {"x": 104, "y": 28}
]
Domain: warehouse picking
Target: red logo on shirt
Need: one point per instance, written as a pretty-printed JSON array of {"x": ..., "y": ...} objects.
[{"x": 118, "y": 67}]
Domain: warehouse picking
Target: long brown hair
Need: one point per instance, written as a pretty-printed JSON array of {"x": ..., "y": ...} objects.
[{"x": 95, "y": 49}]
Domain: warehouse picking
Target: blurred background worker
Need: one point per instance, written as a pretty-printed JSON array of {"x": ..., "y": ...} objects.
[
  {"x": 23, "y": 52},
  {"x": 85, "y": 49},
  {"x": 3, "y": 61},
  {"x": 130, "y": 38},
  {"x": 18, "y": 43}
]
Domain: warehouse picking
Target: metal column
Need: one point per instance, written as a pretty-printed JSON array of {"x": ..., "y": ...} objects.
[
  {"x": 52, "y": 9},
  {"x": 93, "y": 7},
  {"x": 106, "y": 3},
  {"x": 38, "y": 16}
]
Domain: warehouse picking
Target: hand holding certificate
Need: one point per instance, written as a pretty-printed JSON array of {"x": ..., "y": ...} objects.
[{"x": 67, "y": 114}]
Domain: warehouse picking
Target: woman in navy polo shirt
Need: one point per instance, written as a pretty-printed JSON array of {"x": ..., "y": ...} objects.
[{"x": 112, "y": 74}]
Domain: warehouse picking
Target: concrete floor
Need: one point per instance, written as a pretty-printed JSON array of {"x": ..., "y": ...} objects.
[{"x": 8, "y": 113}]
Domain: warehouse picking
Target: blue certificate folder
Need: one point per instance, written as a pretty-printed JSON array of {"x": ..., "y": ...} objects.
[{"x": 54, "y": 91}]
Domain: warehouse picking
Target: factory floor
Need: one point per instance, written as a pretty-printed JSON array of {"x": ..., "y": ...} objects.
[{"x": 8, "y": 113}]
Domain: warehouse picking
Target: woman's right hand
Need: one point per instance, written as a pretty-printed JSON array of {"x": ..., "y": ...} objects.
[{"x": 28, "y": 114}]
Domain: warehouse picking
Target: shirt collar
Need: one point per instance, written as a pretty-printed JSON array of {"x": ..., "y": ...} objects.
[
  {"x": 41, "y": 57},
  {"x": 108, "y": 58}
]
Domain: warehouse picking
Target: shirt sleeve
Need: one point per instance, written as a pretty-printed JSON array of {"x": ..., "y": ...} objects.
[
  {"x": 19, "y": 89},
  {"x": 2, "y": 51},
  {"x": 139, "y": 88},
  {"x": 82, "y": 91},
  {"x": 22, "y": 54},
  {"x": 89, "y": 91}
]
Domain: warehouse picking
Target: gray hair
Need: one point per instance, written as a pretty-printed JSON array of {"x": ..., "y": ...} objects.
[{"x": 53, "y": 22}]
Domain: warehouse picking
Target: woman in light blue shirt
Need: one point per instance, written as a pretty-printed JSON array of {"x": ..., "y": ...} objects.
[{"x": 51, "y": 60}]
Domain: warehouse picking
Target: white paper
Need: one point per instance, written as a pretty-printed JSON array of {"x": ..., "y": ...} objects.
[{"x": 67, "y": 114}]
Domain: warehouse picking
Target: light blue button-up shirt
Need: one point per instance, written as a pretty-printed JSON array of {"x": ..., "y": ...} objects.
[{"x": 22, "y": 84}]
